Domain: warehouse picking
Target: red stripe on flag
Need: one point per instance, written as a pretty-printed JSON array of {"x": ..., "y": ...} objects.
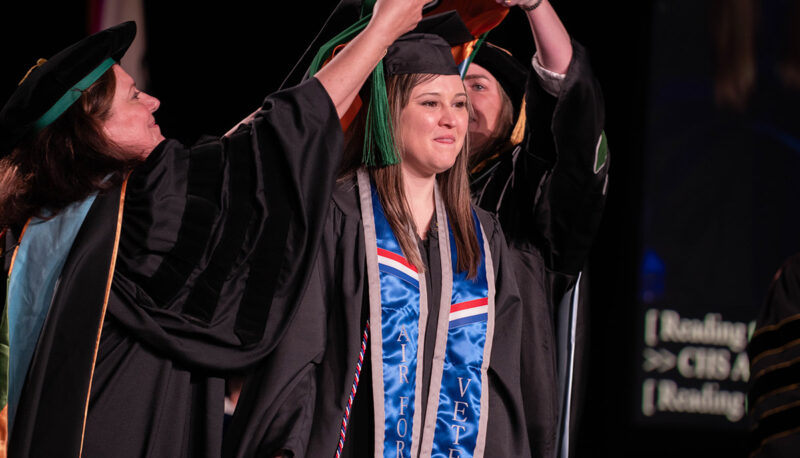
[
  {"x": 396, "y": 257},
  {"x": 469, "y": 304}
]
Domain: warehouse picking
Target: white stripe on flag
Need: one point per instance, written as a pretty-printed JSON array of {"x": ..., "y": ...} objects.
[
  {"x": 399, "y": 266},
  {"x": 469, "y": 312}
]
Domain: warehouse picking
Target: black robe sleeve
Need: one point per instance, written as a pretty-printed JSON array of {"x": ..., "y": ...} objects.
[
  {"x": 218, "y": 239},
  {"x": 564, "y": 137},
  {"x": 774, "y": 364},
  {"x": 549, "y": 191},
  {"x": 295, "y": 398},
  {"x": 507, "y": 434},
  {"x": 216, "y": 247}
]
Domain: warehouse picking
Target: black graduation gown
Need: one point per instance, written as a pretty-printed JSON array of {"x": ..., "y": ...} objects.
[
  {"x": 549, "y": 200},
  {"x": 773, "y": 412},
  {"x": 297, "y": 398},
  {"x": 215, "y": 243}
]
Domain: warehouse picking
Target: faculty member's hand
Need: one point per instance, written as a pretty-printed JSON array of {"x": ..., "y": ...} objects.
[{"x": 396, "y": 17}]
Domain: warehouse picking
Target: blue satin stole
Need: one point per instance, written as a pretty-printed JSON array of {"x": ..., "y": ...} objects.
[
  {"x": 33, "y": 283},
  {"x": 458, "y": 412},
  {"x": 400, "y": 329}
]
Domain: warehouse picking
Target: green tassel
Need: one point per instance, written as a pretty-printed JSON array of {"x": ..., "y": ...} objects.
[
  {"x": 378, "y": 148},
  {"x": 343, "y": 37},
  {"x": 601, "y": 152}
]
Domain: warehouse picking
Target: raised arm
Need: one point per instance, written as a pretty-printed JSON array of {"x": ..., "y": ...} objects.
[
  {"x": 343, "y": 77},
  {"x": 553, "y": 45},
  {"x": 347, "y": 72},
  {"x": 562, "y": 171}
]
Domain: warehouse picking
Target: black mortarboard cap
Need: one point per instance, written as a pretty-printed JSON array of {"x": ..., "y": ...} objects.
[
  {"x": 508, "y": 71},
  {"x": 420, "y": 53},
  {"x": 54, "y": 85},
  {"x": 428, "y": 48}
]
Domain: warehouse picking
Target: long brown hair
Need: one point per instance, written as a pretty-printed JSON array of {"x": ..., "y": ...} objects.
[
  {"x": 64, "y": 162},
  {"x": 453, "y": 184}
]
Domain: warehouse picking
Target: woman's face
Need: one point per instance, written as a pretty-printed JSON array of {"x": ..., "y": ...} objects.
[
  {"x": 433, "y": 125},
  {"x": 484, "y": 94},
  {"x": 131, "y": 124}
]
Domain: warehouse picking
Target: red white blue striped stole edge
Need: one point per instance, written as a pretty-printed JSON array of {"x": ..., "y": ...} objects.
[
  {"x": 395, "y": 264},
  {"x": 467, "y": 312}
]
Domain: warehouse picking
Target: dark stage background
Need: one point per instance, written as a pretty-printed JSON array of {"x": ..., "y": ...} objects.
[{"x": 701, "y": 201}]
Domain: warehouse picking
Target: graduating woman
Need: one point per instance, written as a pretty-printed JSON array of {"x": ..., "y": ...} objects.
[
  {"x": 406, "y": 342},
  {"x": 146, "y": 271}
]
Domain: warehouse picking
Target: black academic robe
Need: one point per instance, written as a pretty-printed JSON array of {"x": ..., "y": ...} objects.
[
  {"x": 202, "y": 255},
  {"x": 549, "y": 199},
  {"x": 296, "y": 400},
  {"x": 773, "y": 411}
]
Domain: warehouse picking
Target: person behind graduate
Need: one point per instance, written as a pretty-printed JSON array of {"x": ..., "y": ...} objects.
[
  {"x": 146, "y": 270},
  {"x": 538, "y": 159},
  {"x": 407, "y": 339},
  {"x": 774, "y": 386}
]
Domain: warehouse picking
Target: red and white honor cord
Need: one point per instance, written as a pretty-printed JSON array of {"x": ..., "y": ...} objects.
[{"x": 346, "y": 416}]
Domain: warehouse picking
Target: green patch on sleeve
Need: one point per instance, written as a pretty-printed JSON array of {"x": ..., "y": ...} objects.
[{"x": 600, "y": 152}]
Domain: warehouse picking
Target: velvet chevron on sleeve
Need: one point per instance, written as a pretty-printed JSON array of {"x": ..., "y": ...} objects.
[{"x": 774, "y": 353}]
